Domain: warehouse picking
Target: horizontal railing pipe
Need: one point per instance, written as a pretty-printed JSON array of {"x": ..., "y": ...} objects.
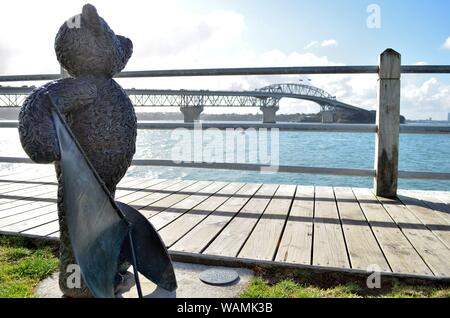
[
  {"x": 315, "y": 127},
  {"x": 232, "y": 166},
  {"x": 9, "y": 124},
  {"x": 15, "y": 160},
  {"x": 425, "y": 69},
  {"x": 424, "y": 130},
  {"x": 302, "y": 70},
  {"x": 360, "y": 128},
  {"x": 424, "y": 175},
  {"x": 27, "y": 78},
  {"x": 267, "y": 168},
  {"x": 256, "y": 167}
]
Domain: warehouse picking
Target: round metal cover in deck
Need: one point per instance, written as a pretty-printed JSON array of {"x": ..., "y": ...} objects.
[{"x": 219, "y": 276}]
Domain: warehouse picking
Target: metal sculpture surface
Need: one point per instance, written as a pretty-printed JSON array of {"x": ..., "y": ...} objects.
[{"x": 86, "y": 124}]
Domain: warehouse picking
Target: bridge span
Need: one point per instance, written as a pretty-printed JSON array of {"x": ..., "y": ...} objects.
[{"x": 192, "y": 102}]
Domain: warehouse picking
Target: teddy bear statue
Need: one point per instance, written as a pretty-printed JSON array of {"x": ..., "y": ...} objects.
[{"x": 95, "y": 107}]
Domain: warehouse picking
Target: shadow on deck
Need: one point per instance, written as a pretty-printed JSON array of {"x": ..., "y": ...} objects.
[{"x": 333, "y": 230}]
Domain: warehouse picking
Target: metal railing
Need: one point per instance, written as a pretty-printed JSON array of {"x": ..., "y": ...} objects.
[
  {"x": 302, "y": 70},
  {"x": 387, "y": 128}
]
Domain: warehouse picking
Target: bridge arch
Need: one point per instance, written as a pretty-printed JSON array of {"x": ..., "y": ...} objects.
[{"x": 297, "y": 89}]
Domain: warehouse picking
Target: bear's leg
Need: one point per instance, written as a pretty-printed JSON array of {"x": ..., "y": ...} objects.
[
  {"x": 71, "y": 282},
  {"x": 123, "y": 265}
]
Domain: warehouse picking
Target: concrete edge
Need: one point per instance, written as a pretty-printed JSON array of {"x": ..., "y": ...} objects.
[{"x": 214, "y": 260}]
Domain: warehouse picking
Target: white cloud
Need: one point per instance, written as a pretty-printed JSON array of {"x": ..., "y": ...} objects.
[
  {"x": 446, "y": 44},
  {"x": 425, "y": 97},
  {"x": 324, "y": 43},
  {"x": 214, "y": 30},
  {"x": 311, "y": 44},
  {"x": 327, "y": 43}
]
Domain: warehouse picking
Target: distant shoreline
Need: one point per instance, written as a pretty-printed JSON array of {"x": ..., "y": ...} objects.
[{"x": 11, "y": 113}]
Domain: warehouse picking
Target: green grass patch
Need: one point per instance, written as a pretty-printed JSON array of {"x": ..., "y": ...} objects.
[
  {"x": 23, "y": 263},
  {"x": 271, "y": 283}
]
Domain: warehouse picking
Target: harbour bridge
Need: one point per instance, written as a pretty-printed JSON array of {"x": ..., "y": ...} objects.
[{"x": 192, "y": 102}]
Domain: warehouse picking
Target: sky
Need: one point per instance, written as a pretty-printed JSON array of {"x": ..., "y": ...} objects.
[{"x": 175, "y": 34}]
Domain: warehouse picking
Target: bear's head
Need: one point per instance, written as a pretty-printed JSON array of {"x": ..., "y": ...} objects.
[{"x": 85, "y": 45}]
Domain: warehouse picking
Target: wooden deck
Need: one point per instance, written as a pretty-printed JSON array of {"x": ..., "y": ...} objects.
[{"x": 340, "y": 229}]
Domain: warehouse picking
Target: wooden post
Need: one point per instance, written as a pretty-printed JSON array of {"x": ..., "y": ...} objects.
[{"x": 388, "y": 123}]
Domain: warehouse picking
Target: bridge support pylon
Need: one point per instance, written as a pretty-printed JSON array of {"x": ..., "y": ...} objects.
[
  {"x": 269, "y": 114},
  {"x": 191, "y": 113},
  {"x": 328, "y": 116}
]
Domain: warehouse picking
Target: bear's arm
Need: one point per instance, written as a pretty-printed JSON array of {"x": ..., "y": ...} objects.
[
  {"x": 70, "y": 94},
  {"x": 36, "y": 130}
]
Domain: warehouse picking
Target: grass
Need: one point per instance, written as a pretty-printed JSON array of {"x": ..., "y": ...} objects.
[
  {"x": 296, "y": 284},
  {"x": 23, "y": 263}
]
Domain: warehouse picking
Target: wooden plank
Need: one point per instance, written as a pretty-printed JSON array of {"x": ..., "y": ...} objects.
[
  {"x": 200, "y": 236},
  {"x": 30, "y": 223},
  {"x": 16, "y": 178},
  {"x": 388, "y": 123},
  {"x": 23, "y": 214},
  {"x": 29, "y": 179},
  {"x": 16, "y": 218},
  {"x": 145, "y": 188},
  {"x": 362, "y": 245},
  {"x": 32, "y": 191},
  {"x": 182, "y": 225},
  {"x": 44, "y": 193},
  {"x": 175, "y": 211},
  {"x": 29, "y": 205},
  {"x": 129, "y": 181},
  {"x": 435, "y": 254},
  {"x": 161, "y": 200},
  {"x": 432, "y": 200},
  {"x": 157, "y": 186},
  {"x": 52, "y": 227},
  {"x": 230, "y": 241},
  {"x": 430, "y": 218},
  {"x": 132, "y": 186},
  {"x": 19, "y": 190},
  {"x": 155, "y": 191},
  {"x": 24, "y": 177},
  {"x": 329, "y": 244},
  {"x": 170, "y": 196},
  {"x": 270, "y": 226},
  {"x": 53, "y": 236},
  {"x": 25, "y": 208},
  {"x": 444, "y": 196},
  {"x": 296, "y": 243},
  {"x": 28, "y": 184},
  {"x": 5, "y": 173},
  {"x": 400, "y": 254},
  {"x": 43, "y": 230}
]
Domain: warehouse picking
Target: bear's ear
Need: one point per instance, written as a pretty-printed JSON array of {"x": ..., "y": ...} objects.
[
  {"x": 127, "y": 47},
  {"x": 90, "y": 16}
]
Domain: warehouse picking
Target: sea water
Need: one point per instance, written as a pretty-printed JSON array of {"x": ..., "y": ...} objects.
[{"x": 317, "y": 149}]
